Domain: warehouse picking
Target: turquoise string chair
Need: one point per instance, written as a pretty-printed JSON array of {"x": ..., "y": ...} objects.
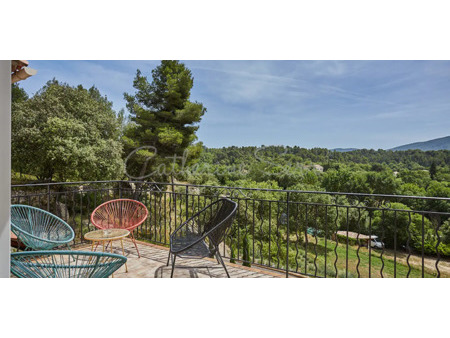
[
  {"x": 38, "y": 229},
  {"x": 65, "y": 264}
]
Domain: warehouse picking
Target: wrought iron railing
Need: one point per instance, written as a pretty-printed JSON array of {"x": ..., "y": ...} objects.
[{"x": 313, "y": 233}]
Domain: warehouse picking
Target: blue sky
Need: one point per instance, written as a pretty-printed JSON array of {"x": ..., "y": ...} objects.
[{"x": 331, "y": 104}]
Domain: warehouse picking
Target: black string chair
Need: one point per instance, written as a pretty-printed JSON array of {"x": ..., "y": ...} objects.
[{"x": 201, "y": 234}]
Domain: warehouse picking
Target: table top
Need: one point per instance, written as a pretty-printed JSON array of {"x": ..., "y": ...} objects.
[{"x": 106, "y": 235}]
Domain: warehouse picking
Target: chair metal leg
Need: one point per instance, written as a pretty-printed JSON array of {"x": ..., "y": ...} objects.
[
  {"x": 68, "y": 247},
  {"x": 110, "y": 242},
  {"x": 18, "y": 244},
  {"x": 220, "y": 260},
  {"x": 168, "y": 258},
  {"x": 135, "y": 245},
  {"x": 123, "y": 253},
  {"x": 173, "y": 265}
]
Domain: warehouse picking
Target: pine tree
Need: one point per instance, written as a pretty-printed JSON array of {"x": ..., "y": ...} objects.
[
  {"x": 433, "y": 170},
  {"x": 163, "y": 122}
]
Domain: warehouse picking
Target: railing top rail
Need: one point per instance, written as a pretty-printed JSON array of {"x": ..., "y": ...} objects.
[
  {"x": 61, "y": 183},
  {"x": 332, "y": 193}
]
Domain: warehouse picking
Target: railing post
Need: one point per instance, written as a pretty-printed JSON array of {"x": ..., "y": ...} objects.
[
  {"x": 120, "y": 189},
  {"x": 187, "y": 204},
  {"x": 287, "y": 236},
  {"x": 48, "y": 197}
]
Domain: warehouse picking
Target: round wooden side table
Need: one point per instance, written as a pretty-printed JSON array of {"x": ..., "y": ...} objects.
[{"x": 107, "y": 235}]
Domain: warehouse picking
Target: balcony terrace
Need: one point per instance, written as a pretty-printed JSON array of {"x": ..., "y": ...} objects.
[{"x": 276, "y": 233}]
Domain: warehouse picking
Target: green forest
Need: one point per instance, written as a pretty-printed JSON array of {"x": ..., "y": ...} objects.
[{"x": 412, "y": 172}]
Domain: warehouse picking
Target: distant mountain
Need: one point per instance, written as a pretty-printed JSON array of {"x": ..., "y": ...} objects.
[
  {"x": 343, "y": 150},
  {"x": 442, "y": 143}
]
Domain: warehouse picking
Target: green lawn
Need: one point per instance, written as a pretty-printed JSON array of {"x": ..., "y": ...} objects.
[
  {"x": 363, "y": 268},
  {"x": 305, "y": 261}
]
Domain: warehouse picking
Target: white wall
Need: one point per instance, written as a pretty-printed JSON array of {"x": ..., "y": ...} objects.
[{"x": 5, "y": 165}]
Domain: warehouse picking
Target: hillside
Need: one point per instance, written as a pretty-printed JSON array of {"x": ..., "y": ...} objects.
[{"x": 442, "y": 143}]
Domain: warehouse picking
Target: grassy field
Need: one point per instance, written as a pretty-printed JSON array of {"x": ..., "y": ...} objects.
[{"x": 381, "y": 265}]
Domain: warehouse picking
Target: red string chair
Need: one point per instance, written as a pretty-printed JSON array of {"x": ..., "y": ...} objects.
[{"x": 122, "y": 213}]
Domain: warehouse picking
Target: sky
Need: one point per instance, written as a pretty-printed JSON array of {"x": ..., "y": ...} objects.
[{"x": 328, "y": 104}]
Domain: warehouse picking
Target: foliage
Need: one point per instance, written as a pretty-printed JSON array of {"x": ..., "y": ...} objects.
[
  {"x": 66, "y": 133},
  {"x": 373, "y": 160},
  {"x": 445, "y": 232},
  {"x": 433, "y": 170},
  {"x": 404, "y": 229},
  {"x": 345, "y": 180},
  {"x": 246, "y": 251},
  {"x": 351, "y": 241},
  {"x": 438, "y": 189},
  {"x": 382, "y": 183},
  {"x": 420, "y": 178},
  {"x": 361, "y": 171},
  {"x": 369, "y": 172},
  {"x": 18, "y": 94}
]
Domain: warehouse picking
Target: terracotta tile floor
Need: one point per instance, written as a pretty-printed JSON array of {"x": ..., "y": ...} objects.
[{"x": 152, "y": 264}]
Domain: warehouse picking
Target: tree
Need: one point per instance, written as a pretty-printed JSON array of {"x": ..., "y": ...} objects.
[
  {"x": 163, "y": 122},
  {"x": 18, "y": 94},
  {"x": 394, "y": 225},
  {"x": 310, "y": 178},
  {"x": 433, "y": 170},
  {"x": 66, "y": 133},
  {"x": 438, "y": 189},
  {"x": 344, "y": 180},
  {"x": 418, "y": 177},
  {"x": 309, "y": 211},
  {"x": 382, "y": 183},
  {"x": 411, "y": 189}
]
